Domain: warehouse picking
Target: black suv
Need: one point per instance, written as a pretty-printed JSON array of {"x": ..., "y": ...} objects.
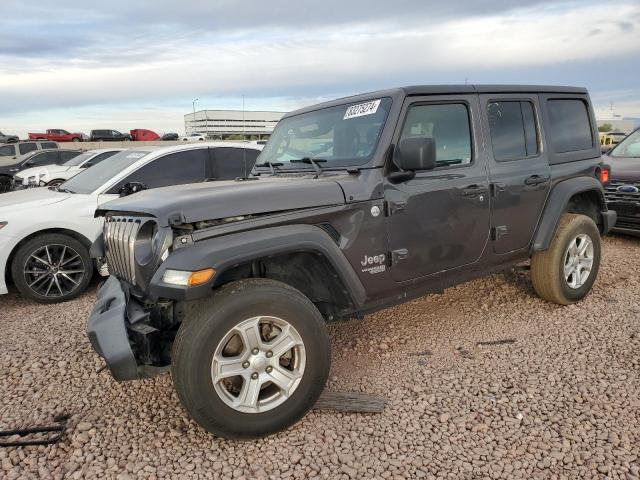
[
  {"x": 623, "y": 192},
  {"x": 359, "y": 204},
  {"x": 108, "y": 136}
]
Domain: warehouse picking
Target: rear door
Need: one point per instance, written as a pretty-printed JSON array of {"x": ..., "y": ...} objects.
[
  {"x": 439, "y": 219},
  {"x": 519, "y": 169}
]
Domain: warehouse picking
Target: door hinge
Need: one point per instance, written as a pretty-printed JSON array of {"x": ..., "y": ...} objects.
[
  {"x": 394, "y": 207},
  {"x": 497, "y": 189},
  {"x": 498, "y": 232},
  {"x": 399, "y": 255}
]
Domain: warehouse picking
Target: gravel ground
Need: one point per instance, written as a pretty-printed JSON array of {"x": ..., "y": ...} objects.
[{"x": 562, "y": 401}]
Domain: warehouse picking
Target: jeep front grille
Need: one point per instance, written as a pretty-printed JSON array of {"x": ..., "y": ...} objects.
[
  {"x": 615, "y": 191},
  {"x": 119, "y": 241}
]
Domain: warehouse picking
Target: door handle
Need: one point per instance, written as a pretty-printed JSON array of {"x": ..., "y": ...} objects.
[
  {"x": 536, "y": 179},
  {"x": 474, "y": 190}
]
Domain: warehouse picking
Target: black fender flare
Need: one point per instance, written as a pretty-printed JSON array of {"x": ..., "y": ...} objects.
[
  {"x": 227, "y": 251},
  {"x": 557, "y": 203}
]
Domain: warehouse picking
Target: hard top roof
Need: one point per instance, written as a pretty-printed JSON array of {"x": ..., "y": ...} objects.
[{"x": 414, "y": 90}]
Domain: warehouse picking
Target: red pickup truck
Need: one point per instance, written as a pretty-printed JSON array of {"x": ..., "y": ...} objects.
[{"x": 57, "y": 135}]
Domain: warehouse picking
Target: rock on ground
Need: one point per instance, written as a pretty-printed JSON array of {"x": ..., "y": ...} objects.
[{"x": 563, "y": 401}]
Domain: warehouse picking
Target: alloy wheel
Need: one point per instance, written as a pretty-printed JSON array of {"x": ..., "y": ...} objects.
[
  {"x": 578, "y": 261},
  {"x": 258, "y": 364},
  {"x": 54, "y": 271}
]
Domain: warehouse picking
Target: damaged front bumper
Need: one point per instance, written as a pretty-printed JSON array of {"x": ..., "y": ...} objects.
[{"x": 108, "y": 328}]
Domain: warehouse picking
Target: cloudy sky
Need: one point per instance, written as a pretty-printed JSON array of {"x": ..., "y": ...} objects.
[{"x": 67, "y": 64}]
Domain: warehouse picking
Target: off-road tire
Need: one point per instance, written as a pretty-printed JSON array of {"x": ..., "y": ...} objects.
[
  {"x": 205, "y": 324},
  {"x": 547, "y": 267},
  {"x": 25, "y": 250}
]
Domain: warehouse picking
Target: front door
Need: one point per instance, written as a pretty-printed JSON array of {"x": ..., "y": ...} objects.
[
  {"x": 439, "y": 220},
  {"x": 518, "y": 168}
]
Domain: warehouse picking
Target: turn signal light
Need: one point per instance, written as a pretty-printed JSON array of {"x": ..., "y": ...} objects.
[
  {"x": 605, "y": 174},
  {"x": 188, "y": 279},
  {"x": 201, "y": 276}
]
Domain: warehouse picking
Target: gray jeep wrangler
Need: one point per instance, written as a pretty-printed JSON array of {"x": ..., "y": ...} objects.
[{"x": 354, "y": 205}]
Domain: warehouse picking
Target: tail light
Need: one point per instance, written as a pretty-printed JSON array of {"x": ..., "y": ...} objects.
[{"x": 603, "y": 172}]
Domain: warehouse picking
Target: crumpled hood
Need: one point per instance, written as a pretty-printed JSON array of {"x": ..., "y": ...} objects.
[
  {"x": 624, "y": 168},
  {"x": 215, "y": 200},
  {"x": 23, "y": 199}
]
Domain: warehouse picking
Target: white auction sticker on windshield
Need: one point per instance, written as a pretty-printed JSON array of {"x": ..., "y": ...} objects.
[{"x": 362, "y": 109}]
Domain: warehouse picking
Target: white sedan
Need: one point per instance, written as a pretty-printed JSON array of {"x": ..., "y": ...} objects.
[
  {"x": 51, "y": 175},
  {"x": 45, "y": 233},
  {"x": 193, "y": 137}
]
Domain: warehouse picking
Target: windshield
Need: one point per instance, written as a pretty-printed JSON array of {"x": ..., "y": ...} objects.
[
  {"x": 340, "y": 136},
  {"x": 79, "y": 160},
  {"x": 629, "y": 147},
  {"x": 91, "y": 179}
]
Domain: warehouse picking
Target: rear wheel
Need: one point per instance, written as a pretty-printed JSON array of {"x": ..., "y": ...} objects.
[
  {"x": 75, "y": 139},
  {"x": 52, "y": 268},
  {"x": 251, "y": 360},
  {"x": 565, "y": 273}
]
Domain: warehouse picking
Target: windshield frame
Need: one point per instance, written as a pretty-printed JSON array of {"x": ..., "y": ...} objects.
[
  {"x": 143, "y": 159},
  {"x": 390, "y": 101},
  {"x": 623, "y": 142}
]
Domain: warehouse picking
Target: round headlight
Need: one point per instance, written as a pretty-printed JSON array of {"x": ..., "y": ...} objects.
[{"x": 144, "y": 246}]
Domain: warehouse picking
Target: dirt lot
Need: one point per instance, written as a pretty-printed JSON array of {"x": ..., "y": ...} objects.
[{"x": 563, "y": 401}]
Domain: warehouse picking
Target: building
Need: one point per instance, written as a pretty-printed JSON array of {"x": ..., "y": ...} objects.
[
  {"x": 225, "y": 124},
  {"x": 625, "y": 125}
]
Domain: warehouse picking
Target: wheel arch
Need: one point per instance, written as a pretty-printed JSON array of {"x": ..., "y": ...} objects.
[
  {"x": 583, "y": 195},
  {"x": 302, "y": 256},
  {"x": 64, "y": 231}
]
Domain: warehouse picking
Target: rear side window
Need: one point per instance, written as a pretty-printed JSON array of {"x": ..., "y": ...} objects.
[
  {"x": 7, "y": 151},
  {"x": 448, "y": 125},
  {"x": 44, "y": 158},
  {"x": 48, "y": 145},
  {"x": 229, "y": 163},
  {"x": 27, "y": 147},
  {"x": 514, "y": 134},
  {"x": 569, "y": 124},
  {"x": 173, "y": 169},
  {"x": 67, "y": 155}
]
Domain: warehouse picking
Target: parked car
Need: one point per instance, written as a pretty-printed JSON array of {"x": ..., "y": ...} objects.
[
  {"x": 609, "y": 140},
  {"x": 193, "y": 137},
  {"x": 51, "y": 175},
  {"x": 361, "y": 203},
  {"x": 623, "y": 192},
  {"x": 14, "y": 154},
  {"x": 37, "y": 159},
  {"x": 143, "y": 135},
  {"x": 45, "y": 233},
  {"x": 57, "y": 135},
  {"x": 170, "y": 137},
  {"x": 4, "y": 138},
  {"x": 109, "y": 136}
]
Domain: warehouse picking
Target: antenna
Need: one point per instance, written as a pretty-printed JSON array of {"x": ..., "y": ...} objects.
[{"x": 244, "y": 139}]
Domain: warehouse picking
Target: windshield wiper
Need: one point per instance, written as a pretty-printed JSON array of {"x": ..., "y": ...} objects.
[
  {"x": 272, "y": 165},
  {"x": 314, "y": 162}
]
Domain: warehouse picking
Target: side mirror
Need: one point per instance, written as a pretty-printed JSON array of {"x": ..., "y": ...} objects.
[
  {"x": 29, "y": 164},
  {"x": 87, "y": 165},
  {"x": 130, "y": 188},
  {"x": 417, "y": 153}
]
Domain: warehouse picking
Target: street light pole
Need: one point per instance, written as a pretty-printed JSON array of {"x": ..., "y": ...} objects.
[{"x": 193, "y": 104}]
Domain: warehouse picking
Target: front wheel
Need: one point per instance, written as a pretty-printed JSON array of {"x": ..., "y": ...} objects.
[
  {"x": 75, "y": 139},
  {"x": 52, "y": 268},
  {"x": 251, "y": 360},
  {"x": 565, "y": 273}
]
